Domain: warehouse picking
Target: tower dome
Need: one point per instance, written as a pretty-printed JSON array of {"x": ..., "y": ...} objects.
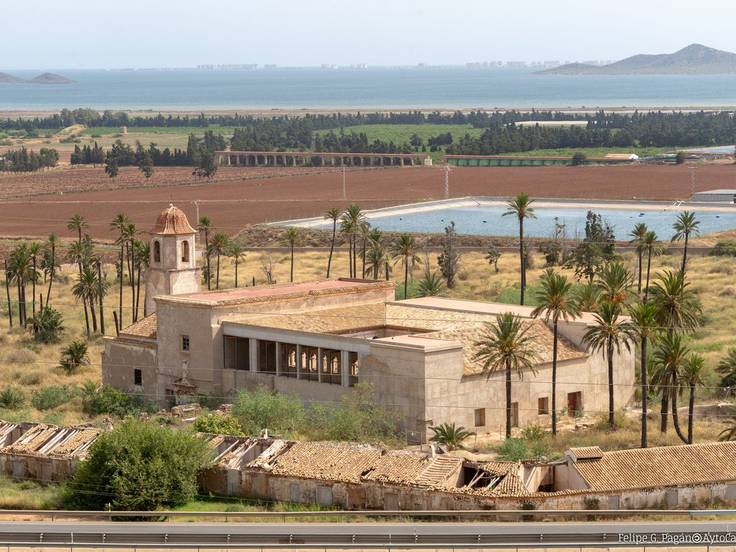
[{"x": 172, "y": 221}]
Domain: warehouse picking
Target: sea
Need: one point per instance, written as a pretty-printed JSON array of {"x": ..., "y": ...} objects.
[{"x": 371, "y": 88}]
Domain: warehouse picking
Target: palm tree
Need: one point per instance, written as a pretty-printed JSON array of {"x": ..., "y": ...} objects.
[
  {"x": 556, "y": 300},
  {"x": 637, "y": 238},
  {"x": 292, "y": 238},
  {"x": 649, "y": 243},
  {"x": 20, "y": 267},
  {"x": 73, "y": 356},
  {"x": 377, "y": 258},
  {"x": 729, "y": 434},
  {"x": 614, "y": 282},
  {"x": 678, "y": 306},
  {"x": 77, "y": 223},
  {"x": 685, "y": 226},
  {"x": 219, "y": 246},
  {"x": 668, "y": 359},
  {"x": 333, "y": 215},
  {"x": 204, "y": 225},
  {"x": 404, "y": 250},
  {"x": 48, "y": 325},
  {"x": 450, "y": 435},
  {"x": 430, "y": 285},
  {"x": 727, "y": 369},
  {"x": 237, "y": 252},
  {"x": 520, "y": 206},
  {"x": 50, "y": 264},
  {"x": 690, "y": 377},
  {"x": 610, "y": 335},
  {"x": 130, "y": 234},
  {"x": 79, "y": 253},
  {"x": 34, "y": 250},
  {"x": 589, "y": 297},
  {"x": 644, "y": 320},
  {"x": 120, "y": 224},
  {"x": 86, "y": 289},
  {"x": 505, "y": 345},
  {"x": 351, "y": 223}
]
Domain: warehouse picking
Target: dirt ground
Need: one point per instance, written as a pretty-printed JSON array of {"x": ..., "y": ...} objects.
[{"x": 37, "y": 204}]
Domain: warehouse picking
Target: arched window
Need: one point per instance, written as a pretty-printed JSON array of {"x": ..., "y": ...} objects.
[
  {"x": 185, "y": 251},
  {"x": 156, "y": 251}
]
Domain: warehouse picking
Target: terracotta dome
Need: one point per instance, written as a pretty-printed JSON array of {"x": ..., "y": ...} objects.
[{"x": 172, "y": 221}]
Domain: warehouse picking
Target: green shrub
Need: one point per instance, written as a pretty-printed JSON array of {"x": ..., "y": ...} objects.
[
  {"x": 108, "y": 400},
  {"x": 12, "y": 397},
  {"x": 263, "y": 409},
  {"x": 356, "y": 417},
  {"x": 513, "y": 450},
  {"x": 214, "y": 422},
  {"x": 724, "y": 248},
  {"x": 52, "y": 396},
  {"x": 139, "y": 466},
  {"x": 47, "y": 326},
  {"x": 533, "y": 432},
  {"x": 592, "y": 503}
]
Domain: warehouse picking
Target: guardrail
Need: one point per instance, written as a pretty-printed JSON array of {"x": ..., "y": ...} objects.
[{"x": 341, "y": 515}]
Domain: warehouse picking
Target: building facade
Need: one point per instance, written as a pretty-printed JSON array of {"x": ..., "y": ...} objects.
[{"x": 317, "y": 340}]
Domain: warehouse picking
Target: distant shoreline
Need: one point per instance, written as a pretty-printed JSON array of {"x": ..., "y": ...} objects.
[{"x": 278, "y": 111}]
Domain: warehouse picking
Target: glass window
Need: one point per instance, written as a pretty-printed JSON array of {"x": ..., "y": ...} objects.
[
  {"x": 137, "y": 377},
  {"x": 185, "y": 343},
  {"x": 185, "y": 251},
  {"x": 156, "y": 251},
  {"x": 480, "y": 417}
]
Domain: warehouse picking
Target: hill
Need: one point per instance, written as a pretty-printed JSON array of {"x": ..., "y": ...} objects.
[
  {"x": 9, "y": 79},
  {"x": 50, "y": 78},
  {"x": 695, "y": 59},
  {"x": 43, "y": 78}
]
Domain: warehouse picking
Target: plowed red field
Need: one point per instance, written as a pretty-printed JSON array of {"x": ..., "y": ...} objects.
[{"x": 238, "y": 197}]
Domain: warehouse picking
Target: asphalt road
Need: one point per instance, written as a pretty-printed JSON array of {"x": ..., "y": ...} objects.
[{"x": 367, "y": 535}]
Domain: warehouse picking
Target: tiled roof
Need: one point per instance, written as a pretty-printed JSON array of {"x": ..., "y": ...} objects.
[
  {"x": 660, "y": 466},
  {"x": 321, "y": 321},
  {"x": 145, "y": 327},
  {"x": 470, "y": 335},
  {"x": 172, "y": 221},
  {"x": 585, "y": 453}
]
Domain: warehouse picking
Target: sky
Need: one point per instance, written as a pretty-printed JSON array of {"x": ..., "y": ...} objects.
[{"x": 48, "y": 34}]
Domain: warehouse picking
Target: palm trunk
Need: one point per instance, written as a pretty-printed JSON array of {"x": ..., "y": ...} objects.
[
  {"x": 131, "y": 275},
  {"x": 102, "y": 299},
  {"x": 7, "y": 293},
  {"x": 33, "y": 288},
  {"x": 120, "y": 291},
  {"x": 236, "y": 272},
  {"x": 649, "y": 270},
  {"x": 138, "y": 291},
  {"x": 554, "y": 378},
  {"x": 676, "y": 418},
  {"x": 644, "y": 392},
  {"x": 664, "y": 410},
  {"x": 690, "y": 411},
  {"x": 355, "y": 256},
  {"x": 508, "y": 399},
  {"x": 684, "y": 255},
  {"x": 522, "y": 261},
  {"x": 406, "y": 276},
  {"x": 51, "y": 274},
  {"x": 350, "y": 257},
  {"x": 92, "y": 312},
  {"x": 641, "y": 256},
  {"x": 217, "y": 278},
  {"x": 388, "y": 272},
  {"x": 20, "y": 305},
  {"x": 332, "y": 247},
  {"x": 611, "y": 413},
  {"x": 207, "y": 257},
  {"x": 363, "y": 254}
]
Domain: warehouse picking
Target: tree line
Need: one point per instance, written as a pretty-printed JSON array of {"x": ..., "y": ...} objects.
[{"x": 25, "y": 160}]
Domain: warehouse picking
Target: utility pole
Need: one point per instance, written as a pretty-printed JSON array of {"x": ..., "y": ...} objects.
[{"x": 196, "y": 206}]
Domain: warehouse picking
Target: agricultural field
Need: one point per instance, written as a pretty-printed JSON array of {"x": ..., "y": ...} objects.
[
  {"x": 591, "y": 152},
  {"x": 237, "y": 197}
]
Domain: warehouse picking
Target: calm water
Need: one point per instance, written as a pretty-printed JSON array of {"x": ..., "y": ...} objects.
[
  {"x": 371, "y": 88},
  {"x": 489, "y": 221}
]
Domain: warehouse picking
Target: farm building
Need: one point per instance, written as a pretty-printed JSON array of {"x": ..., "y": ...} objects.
[
  {"x": 317, "y": 340},
  {"x": 723, "y": 195}
]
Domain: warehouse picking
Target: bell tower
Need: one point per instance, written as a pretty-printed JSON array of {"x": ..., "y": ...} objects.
[{"x": 172, "y": 269}]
